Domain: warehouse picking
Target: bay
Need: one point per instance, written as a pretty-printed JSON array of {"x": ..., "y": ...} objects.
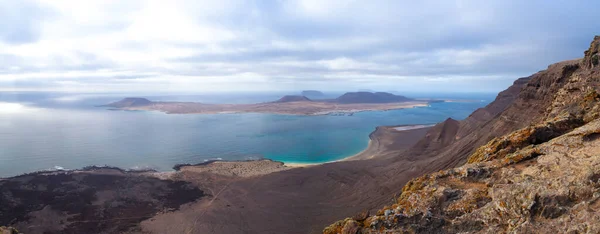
[{"x": 40, "y": 131}]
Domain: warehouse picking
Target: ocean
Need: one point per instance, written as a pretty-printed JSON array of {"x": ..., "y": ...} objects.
[{"x": 44, "y": 131}]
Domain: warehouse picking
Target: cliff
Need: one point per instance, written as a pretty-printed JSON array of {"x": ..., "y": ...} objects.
[
  {"x": 368, "y": 97},
  {"x": 592, "y": 56},
  {"x": 438, "y": 137},
  {"x": 525, "y": 163},
  {"x": 531, "y": 165}
]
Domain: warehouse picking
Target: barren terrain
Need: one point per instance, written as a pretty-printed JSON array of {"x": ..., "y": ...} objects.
[{"x": 289, "y": 108}]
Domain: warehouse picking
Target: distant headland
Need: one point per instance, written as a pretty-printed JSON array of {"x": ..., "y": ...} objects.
[
  {"x": 350, "y": 102},
  {"x": 312, "y": 94}
]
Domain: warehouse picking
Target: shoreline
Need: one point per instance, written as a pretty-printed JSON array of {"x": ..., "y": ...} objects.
[
  {"x": 374, "y": 146},
  {"x": 349, "y": 158},
  {"x": 291, "y": 108}
]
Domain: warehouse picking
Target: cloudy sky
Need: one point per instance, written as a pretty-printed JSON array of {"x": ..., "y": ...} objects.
[{"x": 229, "y": 45}]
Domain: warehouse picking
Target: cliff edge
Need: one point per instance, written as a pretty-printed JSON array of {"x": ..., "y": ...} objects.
[{"x": 541, "y": 175}]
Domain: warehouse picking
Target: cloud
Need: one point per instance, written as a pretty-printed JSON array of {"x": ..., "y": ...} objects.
[
  {"x": 17, "y": 29},
  {"x": 230, "y": 45}
]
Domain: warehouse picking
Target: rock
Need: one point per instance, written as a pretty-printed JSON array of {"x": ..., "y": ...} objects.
[
  {"x": 351, "y": 227},
  {"x": 374, "y": 223},
  {"x": 438, "y": 137},
  {"x": 592, "y": 55},
  {"x": 361, "y": 216},
  {"x": 387, "y": 213},
  {"x": 477, "y": 173},
  {"x": 8, "y": 230},
  {"x": 541, "y": 175}
]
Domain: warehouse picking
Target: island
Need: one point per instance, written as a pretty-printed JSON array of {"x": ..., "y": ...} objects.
[
  {"x": 368, "y": 97},
  {"x": 348, "y": 103},
  {"x": 312, "y": 94},
  {"x": 521, "y": 164}
]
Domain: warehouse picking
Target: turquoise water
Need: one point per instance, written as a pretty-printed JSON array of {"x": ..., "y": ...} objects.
[{"x": 44, "y": 131}]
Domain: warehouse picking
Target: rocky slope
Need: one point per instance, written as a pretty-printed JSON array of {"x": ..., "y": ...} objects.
[
  {"x": 438, "y": 137},
  {"x": 93, "y": 200},
  {"x": 536, "y": 169},
  {"x": 531, "y": 166},
  {"x": 304, "y": 200}
]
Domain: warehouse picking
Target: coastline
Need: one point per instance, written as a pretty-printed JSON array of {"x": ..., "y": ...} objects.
[
  {"x": 349, "y": 158},
  {"x": 374, "y": 145},
  {"x": 249, "y": 167},
  {"x": 290, "y": 108},
  {"x": 383, "y": 140},
  {"x": 216, "y": 183}
]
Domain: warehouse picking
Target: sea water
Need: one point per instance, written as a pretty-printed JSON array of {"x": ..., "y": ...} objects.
[{"x": 40, "y": 131}]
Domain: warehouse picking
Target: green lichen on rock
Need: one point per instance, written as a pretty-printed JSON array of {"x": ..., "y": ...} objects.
[
  {"x": 335, "y": 228},
  {"x": 8, "y": 230},
  {"x": 541, "y": 178},
  {"x": 505, "y": 146},
  {"x": 561, "y": 186},
  {"x": 590, "y": 59},
  {"x": 473, "y": 199},
  {"x": 590, "y": 106},
  {"x": 522, "y": 155},
  {"x": 346, "y": 226}
]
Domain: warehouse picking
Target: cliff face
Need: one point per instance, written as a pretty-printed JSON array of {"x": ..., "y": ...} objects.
[
  {"x": 592, "y": 55},
  {"x": 529, "y": 106},
  {"x": 451, "y": 141},
  {"x": 438, "y": 137},
  {"x": 535, "y": 170},
  {"x": 483, "y": 115}
]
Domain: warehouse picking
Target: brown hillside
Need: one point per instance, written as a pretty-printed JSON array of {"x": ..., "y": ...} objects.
[{"x": 539, "y": 175}]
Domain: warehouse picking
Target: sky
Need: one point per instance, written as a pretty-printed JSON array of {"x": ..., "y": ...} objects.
[{"x": 202, "y": 46}]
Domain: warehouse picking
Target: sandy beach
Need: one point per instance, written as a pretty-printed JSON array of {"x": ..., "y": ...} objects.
[
  {"x": 359, "y": 156},
  {"x": 216, "y": 189},
  {"x": 379, "y": 141}
]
